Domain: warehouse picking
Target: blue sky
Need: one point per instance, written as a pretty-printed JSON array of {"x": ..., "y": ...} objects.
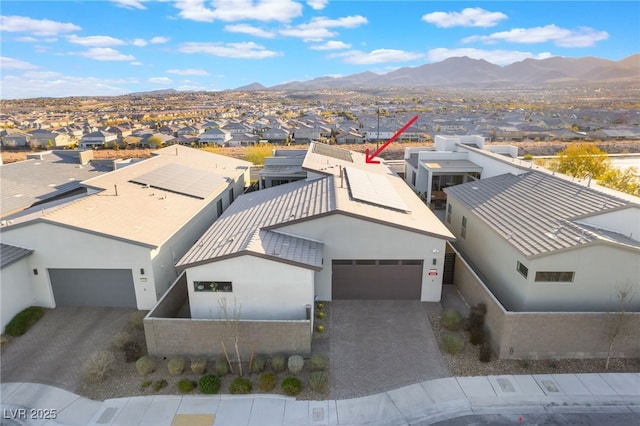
[{"x": 83, "y": 48}]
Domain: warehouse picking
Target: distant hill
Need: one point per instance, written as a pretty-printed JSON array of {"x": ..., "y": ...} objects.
[
  {"x": 461, "y": 72},
  {"x": 250, "y": 87},
  {"x": 159, "y": 92}
]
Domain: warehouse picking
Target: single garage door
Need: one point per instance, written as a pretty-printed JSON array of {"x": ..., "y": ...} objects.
[
  {"x": 376, "y": 279},
  {"x": 93, "y": 287}
]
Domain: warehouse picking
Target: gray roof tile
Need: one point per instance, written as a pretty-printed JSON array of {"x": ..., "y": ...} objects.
[{"x": 10, "y": 254}]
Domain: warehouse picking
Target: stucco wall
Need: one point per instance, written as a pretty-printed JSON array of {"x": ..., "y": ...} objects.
[
  {"x": 15, "y": 289},
  {"x": 346, "y": 237}
]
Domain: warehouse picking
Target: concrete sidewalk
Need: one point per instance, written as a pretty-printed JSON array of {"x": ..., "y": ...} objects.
[{"x": 426, "y": 402}]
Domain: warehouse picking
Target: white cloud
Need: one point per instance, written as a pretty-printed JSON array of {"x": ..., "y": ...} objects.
[
  {"x": 140, "y": 42},
  {"x": 188, "y": 71},
  {"x": 191, "y": 88},
  {"x": 136, "y": 63},
  {"x": 26, "y": 39},
  {"x": 15, "y": 64},
  {"x": 98, "y": 41},
  {"x": 130, "y": 4},
  {"x": 317, "y": 4},
  {"x": 318, "y": 28},
  {"x": 46, "y": 84},
  {"x": 332, "y": 45},
  {"x": 583, "y": 37},
  {"x": 239, "y": 10},
  {"x": 159, "y": 80},
  {"x": 378, "y": 56},
  {"x": 469, "y": 17},
  {"x": 41, "y": 74},
  {"x": 498, "y": 57},
  {"x": 159, "y": 40},
  {"x": 106, "y": 54},
  {"x": 244, "y": 50},
  {"x": 249, "y": 29},
  {"x": 40, "y": 27}
]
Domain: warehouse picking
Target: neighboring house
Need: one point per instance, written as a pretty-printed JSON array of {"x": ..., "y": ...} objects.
[
  {"x": 304, "y": 134},
  {"x": 118, "y": 245},
  {"x": 275, "y": 135},
  {"x": 188, "y": 131},
  {"x": 46, "y": 138},
  {"x": 350, "y": 137},
  {"x": 544, "y": 243},
  {"x": 14, "y": 269},
  {"x": 284, "y": 166},
  {"x": 215, "y": 136},
  {"x": 243, "y": 139},
  {"x": 15, "y": 138},
  {"x": 97, "y": 139}
]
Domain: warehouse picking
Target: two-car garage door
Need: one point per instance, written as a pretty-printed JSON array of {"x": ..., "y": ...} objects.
[
  {"x": 376, "y": 279},
  {"x": 93, "y": 287}
]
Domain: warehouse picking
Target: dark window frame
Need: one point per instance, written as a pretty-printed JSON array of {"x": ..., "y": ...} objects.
[
  {"x": 213, "y": 286},
  {"x": 520, "y": 267},
  {"x": 554, "y": 276}
]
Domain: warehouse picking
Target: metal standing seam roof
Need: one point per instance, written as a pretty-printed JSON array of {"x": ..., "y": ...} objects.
[
  {"x": 534, "y": 211},
  {"x": 10, "y": 254}
]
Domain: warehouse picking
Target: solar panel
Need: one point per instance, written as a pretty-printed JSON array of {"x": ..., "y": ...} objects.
[
  {"x": 182, "y": 180},
  {"x": 373, "y": 188},
  {"x": 333, "y": 152}
]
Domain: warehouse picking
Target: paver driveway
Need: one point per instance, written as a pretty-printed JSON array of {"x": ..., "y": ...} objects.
[
  {"x": 378, "y": 345},
  {"x": 55, "y": 348}
]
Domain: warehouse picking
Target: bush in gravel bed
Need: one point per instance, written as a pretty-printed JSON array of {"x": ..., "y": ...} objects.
[
  {"x": 136, "y": 320},
  {"x": 176, "y": 366},
  {"x": 186, "y": 386},
  {"x": 132, "y": 351},
  {"x": 319, "y": 362},
  {"x": 295, "y": 364},
  {"x": 259, "y": 363},
  {"x": 23, "y": 321},
  {"x": 319, "y": 381},
  {"x": 122, "y": 338},
  {"x": 240, "y": 385},
  {"x": 222, "y": 366},
  {"x": 98, "y": 367},
  {"x": 198, "y": 366},
  {"x": 485, "y": 352},
  {"x": 278, "y": 363},
  {"x": 267, "y": 382},
  {"x": 476, "y": 336},
  {"x": 452, "y": 343},
  {"x": 145, "y": 384},
  {"x": 451, "y": 319},
  {"x": 209, "y": 384},
  {"x": 145, "y": 365},
  {"x": 291, "y": 386},
  {"x": 159, "y": 385}
]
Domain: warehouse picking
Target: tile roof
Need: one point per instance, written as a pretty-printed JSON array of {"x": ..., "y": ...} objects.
[
  {"x": 535, "y": 211},
  {"x": 10, "y": 254}
]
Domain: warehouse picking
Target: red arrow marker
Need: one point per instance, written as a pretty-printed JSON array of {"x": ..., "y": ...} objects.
[{"x": 370, "y": 158}]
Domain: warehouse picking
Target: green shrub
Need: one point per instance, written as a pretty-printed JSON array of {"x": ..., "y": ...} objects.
[
  {"x": 98, "y": 367},
  {"x": 476, "y": 335},
  {"x": 145, "y": 384},
  {"x": 319, "y": 381},
  {"x": 198, "y": 366},
  {"x": 122, "y": 338},
  {"x": 159, "y": 384},
  {"x": 278, "y": 363},
  {"x": 209, "y": 384},
  {"x": 267, "y": 382},
  {"x": 485, "y": 352},
  {"x": 527, "y": 157},
  {"x": 259, "y": 363},
  {"x": 452, "y": 343},
  {"x": 135, "y": 320},
  {"x": 186, "y": 386},
  {"x": 320, "y": 315},
  {"x": 23, "y": 321},
  {"x": 319, "y": 362},
  {"x": 222, "y": 366},
  {"x": 451, "y": 319},
  {"x": 145, "y": 365},
  {"x": 295, "y": 364},
  {"x": 476, "y": 316},
  {"x": 176, "y": 366},
  {"x": 132, "y": 351},
  {"x": 291, "y": 386},
  {"x": 320, "y": 306},
  {"x": 240, "y": 385}
]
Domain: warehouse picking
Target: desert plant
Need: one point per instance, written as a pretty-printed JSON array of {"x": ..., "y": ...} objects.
[
  {"x": 525, "y": 363},
  {"x": 278, "y": 363},
  {"x": 451, "y": 319},
  {"x": 320, "y": 328},
  {"x": 145, "y": 365},
  {"x": 122, "y": 338},
  {"x": 320, "y": 315},
  {"x": 198, "y": 366},
  {"x": 135, "y": 320},
  {"x": 23, "y": 321},
  {"x": 291, "y": 386},
  {"x": 476, "y": 335},
  {"x": 98, "y": 367},
  {"x": 267, "y": 382},
  {"x": 240, "y": 385},
  {"x": 222, "y": 366},
  {"x": 176, "y": 366},
  {"x": 295, "y": 364},
  {"x": 320, "y": 306},
  {"x": 452, "y": 343},
  {"x": 319, "y": 362},
  {"x": 145, "y": 384},
  {"x": 186, "y": 386},
  {"x": 485, "y": 352},
  {"x": 319, "y": 381},
  {"x": 209, "y": 384},
  {"x": 132, "y": 351},
  {"x": 476, "y": 315},
  {"x": 259, "y": 363},
  {"x": 159, "y": 384}
]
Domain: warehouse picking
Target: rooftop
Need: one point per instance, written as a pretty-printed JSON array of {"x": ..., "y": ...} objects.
[{"x": 10, "y": 254}]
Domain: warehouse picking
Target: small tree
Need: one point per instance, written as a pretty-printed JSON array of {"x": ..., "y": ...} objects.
[
  {"x": 618, "y": 322},
  {"x": 232, "y": 321},
  {"x": 583, "y": 159}
]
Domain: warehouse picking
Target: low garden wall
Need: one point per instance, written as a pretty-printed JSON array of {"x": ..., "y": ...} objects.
[{"x": 546, "y": 335}]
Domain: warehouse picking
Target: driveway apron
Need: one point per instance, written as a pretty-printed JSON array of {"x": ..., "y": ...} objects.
[{"x": 379, "y": 345}]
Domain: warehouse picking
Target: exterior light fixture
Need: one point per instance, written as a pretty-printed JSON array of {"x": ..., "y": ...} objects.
[{"x": 35, "y": 271}]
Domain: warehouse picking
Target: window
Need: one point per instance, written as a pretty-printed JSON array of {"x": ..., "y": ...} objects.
[
  {"x": 554, "y": 277},
  {"x": 463, "y": 230},
  {"x": 219, "y": 208},
  {"x": 413, "y": 178},
  {"x": 215, "y": 286},
  {"x": 365, "y": 262},
  {"x": 231, "y": 196},
  {"x": 449, "y": 211},
  {"x": 524, "y": 271}
]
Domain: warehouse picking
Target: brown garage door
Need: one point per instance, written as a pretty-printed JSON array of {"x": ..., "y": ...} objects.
[{"x": 376, "y": 279}]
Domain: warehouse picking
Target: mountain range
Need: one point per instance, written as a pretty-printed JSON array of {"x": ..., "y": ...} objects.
[{"x": 464, "y": 72}]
